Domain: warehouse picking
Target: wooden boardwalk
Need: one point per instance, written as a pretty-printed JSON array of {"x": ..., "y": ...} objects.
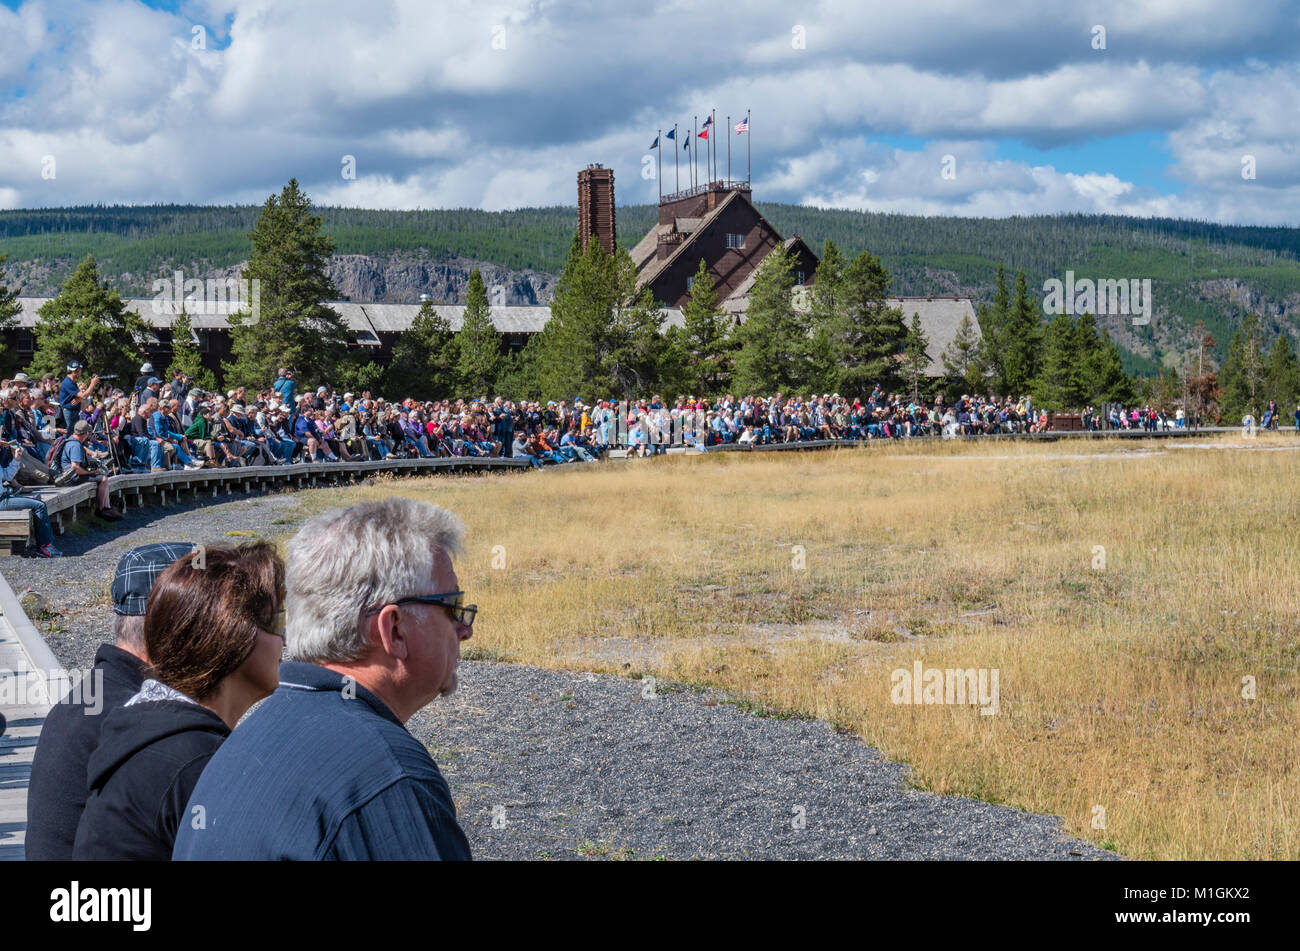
[{"x": 24, "y": 659}]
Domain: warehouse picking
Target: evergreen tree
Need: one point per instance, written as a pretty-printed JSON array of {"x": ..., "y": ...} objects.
[
  {"x": 423, "y": 365},
  {"x": 704, "y": 345},
  {"x": 1282, "y": 375},
  {"x": 290, "y": 258},
  {"x": 915, "y": 357},
  {"x": 1020, "y": 341},
  {"x": 770, "y": 354},
  {"x": 1243, "y": 375},
  {"x": 963, "y": 360},
  {"x": 604, "y": 336},
  {"x": 88, "y": 323},
  {"x": 826, "y": 320},
  {"x": 185, "y": 354},
  {"x": 1059, "y": 385},
  {"x": 518, "y": 378},
  {"x": 993, "y": 323},
  {"x": 478, "y": 344},
  {"x": 9, "y": 311},
  {"x": 873, "y": 335},
  {"x": 638, "y": 349}
]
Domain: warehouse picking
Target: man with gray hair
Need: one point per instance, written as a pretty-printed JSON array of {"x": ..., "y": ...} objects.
[{"x": 325, "y": 768}]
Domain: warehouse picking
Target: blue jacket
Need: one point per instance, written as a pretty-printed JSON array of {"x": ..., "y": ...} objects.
[{"x": 316, "y": 774}]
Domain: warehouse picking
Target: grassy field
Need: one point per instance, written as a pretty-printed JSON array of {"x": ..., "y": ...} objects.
[{"x": 1139, "y": 603}]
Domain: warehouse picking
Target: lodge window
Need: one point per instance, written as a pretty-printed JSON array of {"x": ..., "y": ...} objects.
[
  {"x": 798, "y": 277},
  {"x": 26, "y": 342},
  {"x": 735, "y": 240},
  {"x": 690, "y": 282}
]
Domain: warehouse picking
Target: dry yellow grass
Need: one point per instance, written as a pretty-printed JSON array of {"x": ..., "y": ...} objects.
[{"x": 1121, "y": 686}]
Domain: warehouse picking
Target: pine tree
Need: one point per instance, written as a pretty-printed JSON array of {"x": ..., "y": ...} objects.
[
  {"x": 915, "y": 357},
  {"x": 1243, "y": 376},
  {"x": 185, "y": 354},
  {"x": 604, "y": 336},
  {"x": 963, "y": 360},
  {"x": 571, "y": 348},
  {"x": 88, "y": 323},
  {"x": 873, "y": 335},
  {"x": 478, "y": 343},
  {"x": 423, "y": 364},
  {"x": 826, "y": 320},
  {"x": 1059, "y": 385},
  {"x": 770, "y": 351},
  {"x": 1020, "y": 341},
  {"x": 295, "y": 327},
  {"x": 1282, "y": 375},
  {"x": 993, "y": 324},
  {"x": 704, "y": 341},
  {"x": 9, "y": 311}
]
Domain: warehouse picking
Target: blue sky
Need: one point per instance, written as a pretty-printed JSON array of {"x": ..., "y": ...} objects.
[{"x": 1181, "y": 108}]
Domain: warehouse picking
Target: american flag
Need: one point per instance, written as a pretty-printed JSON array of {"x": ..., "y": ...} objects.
[{"x": 742, "y": 125}]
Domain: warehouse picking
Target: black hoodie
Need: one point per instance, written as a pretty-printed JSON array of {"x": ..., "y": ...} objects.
[{"x": 141, "y": 775}]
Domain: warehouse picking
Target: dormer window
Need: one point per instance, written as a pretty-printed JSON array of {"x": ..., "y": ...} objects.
[{"x": 736, "y": 241}]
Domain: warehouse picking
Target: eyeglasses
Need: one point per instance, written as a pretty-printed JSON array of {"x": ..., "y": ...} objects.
[{"x": 453, "y": 601}]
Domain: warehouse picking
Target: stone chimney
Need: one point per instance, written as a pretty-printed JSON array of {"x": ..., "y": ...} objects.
[{"x": 596, "y": 206}]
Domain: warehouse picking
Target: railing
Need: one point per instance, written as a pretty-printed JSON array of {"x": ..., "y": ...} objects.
[{"x": 724, "y": 185}]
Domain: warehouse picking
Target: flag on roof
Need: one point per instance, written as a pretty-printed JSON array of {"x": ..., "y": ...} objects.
[{"x": 742, "y": 125}]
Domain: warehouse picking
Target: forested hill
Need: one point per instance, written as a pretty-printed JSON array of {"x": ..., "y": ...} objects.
[{"x": 1201, "y": 272}]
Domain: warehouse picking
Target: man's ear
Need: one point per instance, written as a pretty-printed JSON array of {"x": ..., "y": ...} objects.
[{"x": 391, "y": 636}]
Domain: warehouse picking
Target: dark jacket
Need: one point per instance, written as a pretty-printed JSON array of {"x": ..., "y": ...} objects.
[
  {"x": 321, "y": 771},
  {"x": 56, "y": 792},
  {"x": 141, "y": 775}
]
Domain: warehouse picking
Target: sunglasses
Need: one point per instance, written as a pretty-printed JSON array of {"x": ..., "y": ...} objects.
[{"x": 453, "y": 601}]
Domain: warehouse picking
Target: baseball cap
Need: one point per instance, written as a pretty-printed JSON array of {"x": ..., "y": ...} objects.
[
  {"x": 152, "y": 380},
  {"x": 138, "y": 570},
  {"x": 74, "y": 365},
  {"x": 81, "y": 426}
]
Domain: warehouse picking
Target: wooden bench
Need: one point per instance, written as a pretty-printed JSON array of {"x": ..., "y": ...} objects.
[{"x": 15, "y": 527}]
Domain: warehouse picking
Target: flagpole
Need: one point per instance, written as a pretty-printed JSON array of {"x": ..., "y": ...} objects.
[
  {"x": 748, "y": 139},
  {"x": 728, "y": 153},
  {"x": 677, "y": 178},
  {"x": 659, "y": 175},
  {"x": 713, "y": 137},
  {"x": 695, "y": 151}
]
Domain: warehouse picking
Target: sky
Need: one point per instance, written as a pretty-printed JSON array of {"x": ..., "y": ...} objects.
[{"x": 1178, "y": 108}]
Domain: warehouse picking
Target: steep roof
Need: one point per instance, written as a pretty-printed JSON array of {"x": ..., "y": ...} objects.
[{"x": 656, "y": 265}]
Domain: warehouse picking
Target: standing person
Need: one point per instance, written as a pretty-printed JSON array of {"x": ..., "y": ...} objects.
[
  {"x": 375, "y": 621},
  {"x": 57, "y": 790},
  {"x": 71, "y": 395},
  {"x": 213, "y": 632},
  {"x": 11, "y": 457}
]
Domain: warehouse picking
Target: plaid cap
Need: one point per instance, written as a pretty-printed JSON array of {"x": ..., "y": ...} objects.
[{"x": 138, "y": 570}]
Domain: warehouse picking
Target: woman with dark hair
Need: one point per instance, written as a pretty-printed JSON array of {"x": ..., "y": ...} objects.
[{"x": 213, "y": 632}]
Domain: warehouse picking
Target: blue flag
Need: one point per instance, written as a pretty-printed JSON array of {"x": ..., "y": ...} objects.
[
  {"x": 655, "y": 143},
  {"x": 671, "y": 134}
]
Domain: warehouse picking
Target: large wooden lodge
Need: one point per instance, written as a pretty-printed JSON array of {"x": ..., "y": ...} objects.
[{"x": 716, "y": 221}]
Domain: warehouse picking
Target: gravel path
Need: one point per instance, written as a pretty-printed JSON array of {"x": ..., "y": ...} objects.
[{"x": 555, "y": 764}]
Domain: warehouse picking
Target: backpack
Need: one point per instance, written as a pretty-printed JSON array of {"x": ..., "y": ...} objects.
[{"x": 54, "y": 458}]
